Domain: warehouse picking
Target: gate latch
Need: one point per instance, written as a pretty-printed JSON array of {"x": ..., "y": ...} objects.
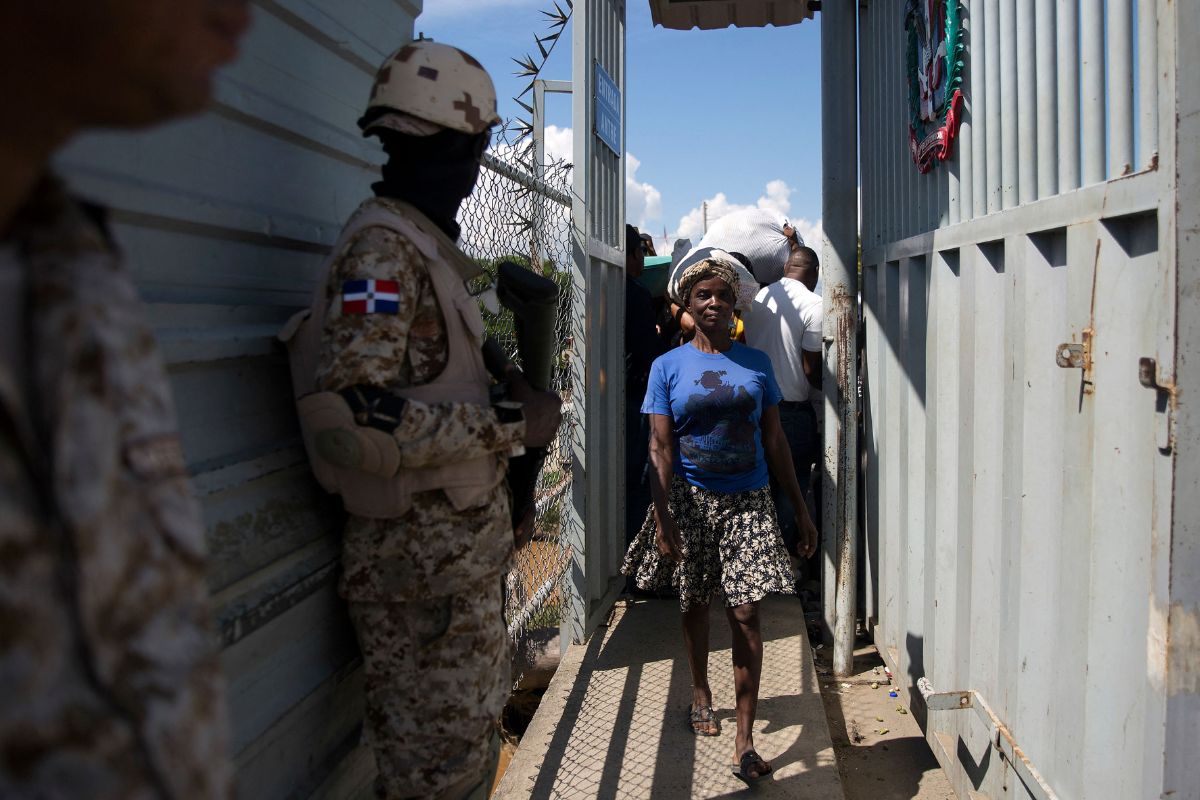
[
  {"x": 1071, "y": 355},
  {"x": 1148, "y": 376}
]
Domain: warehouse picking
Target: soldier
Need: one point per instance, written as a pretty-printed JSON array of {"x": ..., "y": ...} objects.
[
  {"x": 110, "y": 675},
  {"x": 394, "y": 402}
]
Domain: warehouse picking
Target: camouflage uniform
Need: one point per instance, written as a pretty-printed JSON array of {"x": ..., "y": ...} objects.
[
  {"x": 108, "y": 666},
  {"x": 424, "y": 589}
]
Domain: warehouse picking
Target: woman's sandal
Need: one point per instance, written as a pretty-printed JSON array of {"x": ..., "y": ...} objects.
[
  {"x": 750, "y": 760},
  {"x": 703, "y": 715}
]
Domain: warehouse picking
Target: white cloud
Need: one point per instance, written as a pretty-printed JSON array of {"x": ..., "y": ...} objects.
[
  {"x": 777, "y": 198},
  {"x": 560, "y": 144},
  {"x": 643, "y": 201}
]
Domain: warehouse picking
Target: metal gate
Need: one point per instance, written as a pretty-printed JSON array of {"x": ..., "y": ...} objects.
[
  {"x": 598, "y": 390},
  {"x": 1029, "y": 562}
]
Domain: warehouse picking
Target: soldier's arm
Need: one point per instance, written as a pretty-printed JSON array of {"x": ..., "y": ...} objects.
[{"x": 363, "y": 356}]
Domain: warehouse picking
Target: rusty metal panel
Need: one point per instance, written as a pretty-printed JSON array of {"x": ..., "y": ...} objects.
[
  {"x": 684, "y": 15},
  {"x": 1177, "y": 612},
  {"x": 225, "y": 219},
  {"x": 1029, "y": 490}
]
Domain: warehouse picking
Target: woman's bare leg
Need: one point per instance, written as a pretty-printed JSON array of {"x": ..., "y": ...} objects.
[
  {"x": 695, "y": 640},
  {"x": 747, "y": 672}
]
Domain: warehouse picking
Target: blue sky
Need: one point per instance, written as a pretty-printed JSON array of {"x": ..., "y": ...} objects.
[{"x": 731, "y": 117}]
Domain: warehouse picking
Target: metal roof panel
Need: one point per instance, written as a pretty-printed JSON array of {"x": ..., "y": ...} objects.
[{"x": 713, "y": 14}]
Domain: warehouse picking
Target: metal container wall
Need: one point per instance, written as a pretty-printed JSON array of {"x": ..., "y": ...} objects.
[
  {"x": 225, "y": 219},
  {"x": 1026, "y": 536}
]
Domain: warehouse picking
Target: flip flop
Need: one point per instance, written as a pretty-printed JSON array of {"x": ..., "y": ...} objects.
[
  {"x": 749, "y": 760},
  {"x": 702, "y": 715}
]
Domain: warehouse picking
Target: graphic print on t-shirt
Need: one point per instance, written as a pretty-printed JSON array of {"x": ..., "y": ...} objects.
[{"x": 720, "y": 434}]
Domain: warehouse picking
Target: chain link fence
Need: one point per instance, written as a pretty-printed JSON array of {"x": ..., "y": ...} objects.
[{"x": 521, "y": 212}]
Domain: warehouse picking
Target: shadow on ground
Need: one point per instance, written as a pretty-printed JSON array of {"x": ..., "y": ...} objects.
[
  {"x": 613, "y": 724},
  {"x": 896, "y": 764}
]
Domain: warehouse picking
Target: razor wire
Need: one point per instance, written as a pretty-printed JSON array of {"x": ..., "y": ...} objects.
[{"x": 517, "y": 216}]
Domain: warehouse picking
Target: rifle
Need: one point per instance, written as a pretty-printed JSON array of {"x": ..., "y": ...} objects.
[{"x": 533, "y": 301}]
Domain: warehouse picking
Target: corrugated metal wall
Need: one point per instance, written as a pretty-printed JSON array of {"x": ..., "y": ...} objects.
[
  {"x": 225, "y": 219},
  {"x": 1019, "y": 514}
]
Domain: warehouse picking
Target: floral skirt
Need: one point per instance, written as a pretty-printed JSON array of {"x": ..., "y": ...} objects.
[{"x": 730, "y": 542}]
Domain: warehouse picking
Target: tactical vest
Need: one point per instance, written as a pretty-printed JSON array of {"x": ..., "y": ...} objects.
[{"x": 385, "y": 491}]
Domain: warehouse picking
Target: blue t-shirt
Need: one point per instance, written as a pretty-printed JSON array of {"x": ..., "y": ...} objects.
[{"x": 716, "y": 402}]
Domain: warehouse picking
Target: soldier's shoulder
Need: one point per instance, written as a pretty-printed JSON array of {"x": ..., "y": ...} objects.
[
  {"x": 380, "y": 252},
  {"x": 384, "y": 241},
  {"x": 54, "y": 220},
  {"x": 377, "y": 242}
]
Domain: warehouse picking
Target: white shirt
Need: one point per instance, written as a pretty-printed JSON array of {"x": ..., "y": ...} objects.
[{"x": 786, "y": 318}]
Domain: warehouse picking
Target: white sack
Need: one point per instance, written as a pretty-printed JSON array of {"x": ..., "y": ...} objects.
[{"x": 758, "y": 235}]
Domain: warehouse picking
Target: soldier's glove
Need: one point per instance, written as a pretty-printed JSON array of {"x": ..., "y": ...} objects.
[
  {"x": 338, "y": 440},
  {"x": 374, "y": 407}
]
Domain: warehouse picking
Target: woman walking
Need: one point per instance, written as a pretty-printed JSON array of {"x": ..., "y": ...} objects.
[{"x": 714, "y": 432}]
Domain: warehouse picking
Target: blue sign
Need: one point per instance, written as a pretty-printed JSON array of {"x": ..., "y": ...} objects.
[{"x": 607, "y": 110}]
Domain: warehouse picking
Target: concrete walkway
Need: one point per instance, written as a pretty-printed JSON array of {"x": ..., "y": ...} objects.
[{"x": 612, "y": 724}]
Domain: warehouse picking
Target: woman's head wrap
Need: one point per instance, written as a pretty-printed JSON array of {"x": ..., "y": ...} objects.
[
  {"x": 708, "y": 262},
  {"x": 705, "y": 269}
]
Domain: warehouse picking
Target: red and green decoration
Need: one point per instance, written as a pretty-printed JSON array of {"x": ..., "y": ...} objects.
[{"x": 934, "y": 67}]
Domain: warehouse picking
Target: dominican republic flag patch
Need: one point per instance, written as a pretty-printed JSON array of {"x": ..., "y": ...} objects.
[{"x": 370, "y": 297}]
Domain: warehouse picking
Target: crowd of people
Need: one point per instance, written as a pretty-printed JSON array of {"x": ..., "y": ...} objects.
[{"x": 725, "y": 414}]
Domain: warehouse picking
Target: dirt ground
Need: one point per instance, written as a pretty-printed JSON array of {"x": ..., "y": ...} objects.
[{"x": 881, "y": 752}]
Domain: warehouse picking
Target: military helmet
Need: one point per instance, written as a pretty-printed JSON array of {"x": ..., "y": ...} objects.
[{"x": 435, "y": 83}]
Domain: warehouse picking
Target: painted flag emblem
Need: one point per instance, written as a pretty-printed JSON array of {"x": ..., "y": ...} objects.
[{"x": 370, "y": 297}]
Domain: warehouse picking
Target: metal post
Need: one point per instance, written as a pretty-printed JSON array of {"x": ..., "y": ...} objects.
[
  {"x": 1179, "y": 133},
  {"x": 540, "y": 88},
  {"x": 598, "y": 217},
  {"x": 539, "y": 168},
  {"x": 839, "y": 204},
  {"x": 539, "y": 127}
]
